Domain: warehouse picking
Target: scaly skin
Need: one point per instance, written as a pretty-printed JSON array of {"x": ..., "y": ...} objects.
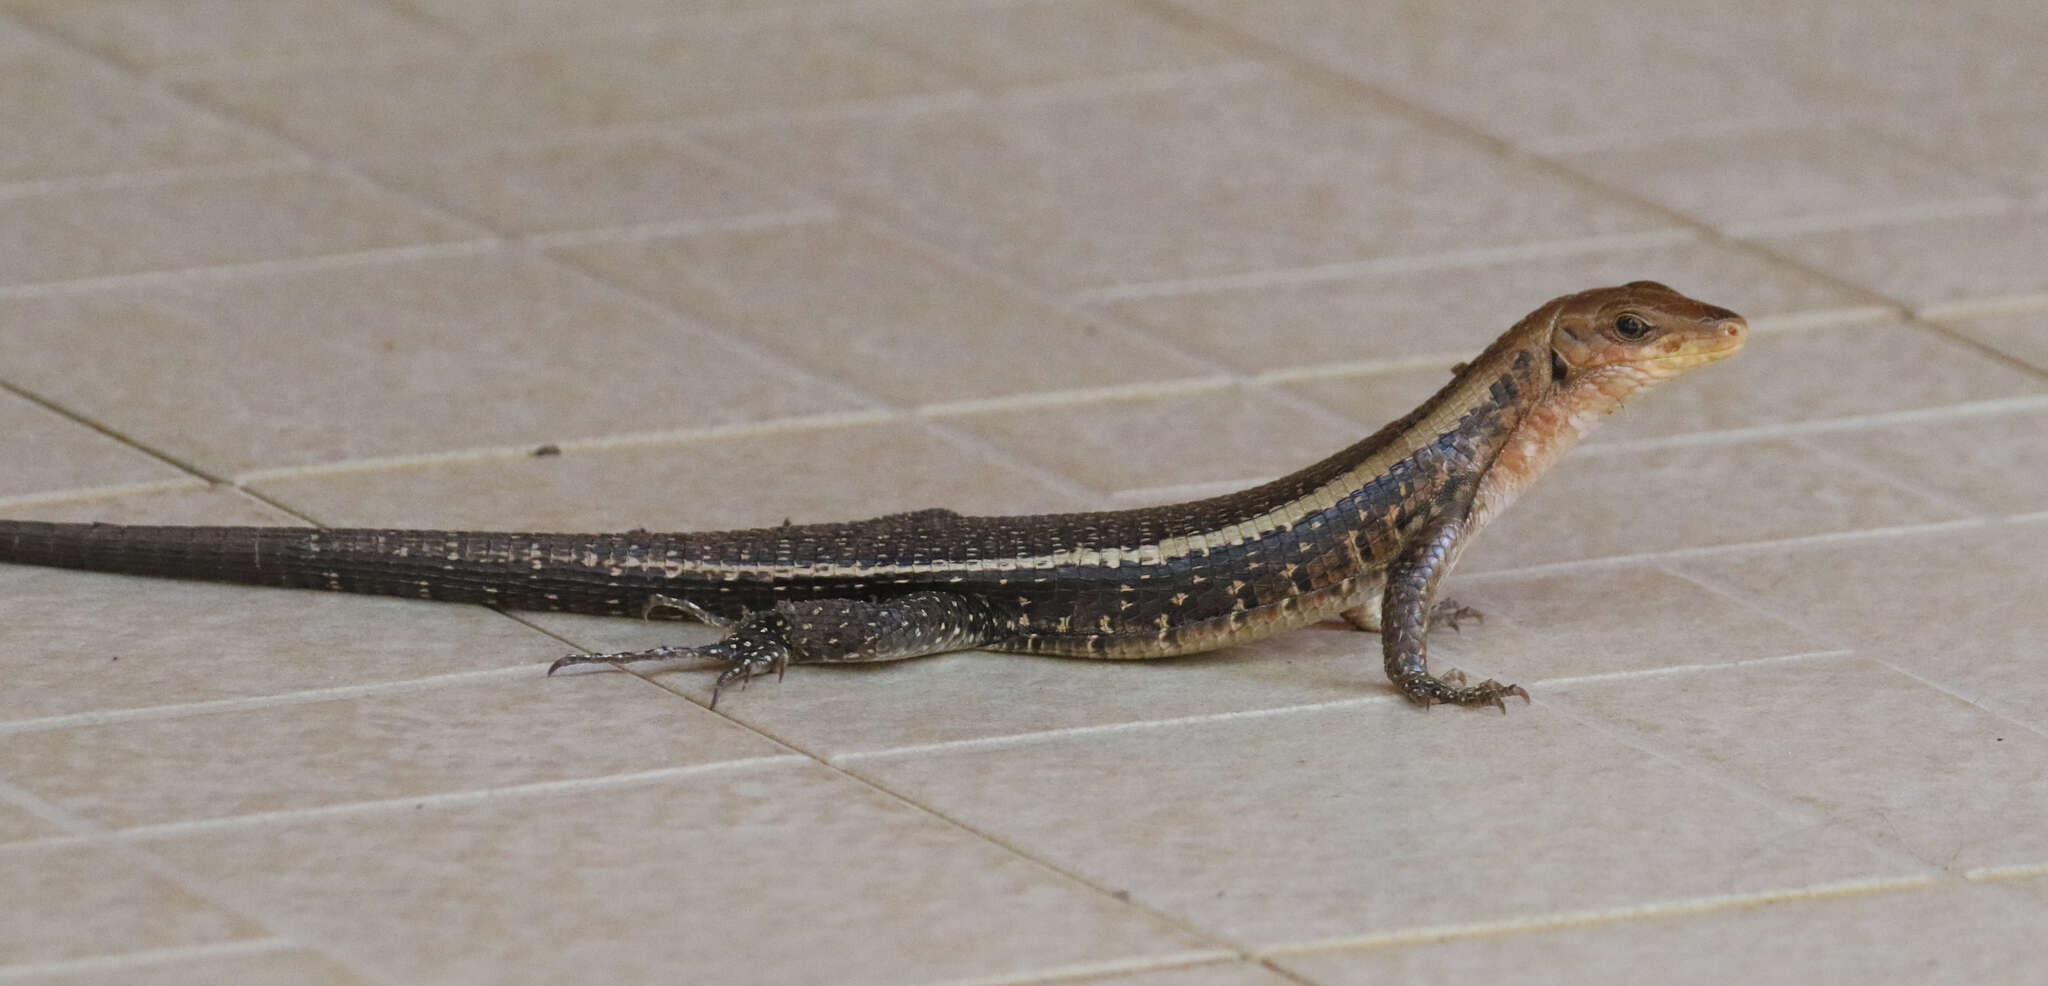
[{"x": 1367, "y": 533}]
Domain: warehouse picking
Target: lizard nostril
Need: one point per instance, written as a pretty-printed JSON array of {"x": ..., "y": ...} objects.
[{"x": 1734, "y": 328}]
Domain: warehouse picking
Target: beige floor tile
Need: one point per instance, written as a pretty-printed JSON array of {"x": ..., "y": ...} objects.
[
  {"x": 18, "y": 825},
  {"x": 1222, "y": 435},
  {"x": 1238, "y": 174},
  {"x": 1960, "y": 608},
  {"x": 587, "y": 185},
  {"x": 2023, "y": 337},
  {"x": 458, "y": 737},
  {"x": 1372, "y": 399},
  {"x": 1638, "y": 501},
  {"x": 1995, "y": 463},
  {"x": 748, "y": 480},
  {"x": 89, "y": 122},
  {"x": 1877, "y": 751},
  {"x": 226, "y": 37},
  {"x": 490, "y": 19},
  {"x": 1936, "y": 264},
  {"x": 1527, "y": 72},
  {"x": 51, "y": 453},
  {"x": 888, "y": 317},
  {"x": 680, "y": 880},
  {"x": 281, "y": 968},
  {"x": 1608, "y": 621},
  {"x": 2005, "y": 143},
  {"x": 385, "y": 359},
  {"x": 1875, "y": 58},
  {"x": 1371, "y": 818},
  {"x": 1951, "y": 933},
  {"x": 1043, "y": 41},
  {"x": 1451, "y": 313},
  {"x": 1748, "y": 181},
  {"x": 543, "y": 88},
  {"x": 202, "y": 222},
  {"x": 75, "y": 902}
]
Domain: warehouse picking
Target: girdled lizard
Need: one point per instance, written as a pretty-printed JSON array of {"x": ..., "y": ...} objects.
[{"x": 1366, "y": 534}]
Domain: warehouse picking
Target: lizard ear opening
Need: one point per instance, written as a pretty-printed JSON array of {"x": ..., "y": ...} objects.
[{"x": 1559, "y": 369}]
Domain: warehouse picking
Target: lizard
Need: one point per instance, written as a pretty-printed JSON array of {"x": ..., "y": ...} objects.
[{"x": 1366, "y": 534}]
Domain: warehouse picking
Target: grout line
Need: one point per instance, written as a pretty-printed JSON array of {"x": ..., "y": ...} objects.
[
  {"x": 2015, "y": 871},
  {"x": 1403, "y": 264},
  {"x": 1086, "y": 971},
  {"x": 144, "y": 959},
  {"x": 1433, "y": 934},
  {"x": 1715, "y": 550},
  {"x": 79, "y": 494},
  {"x": 1607, "y": 140},
  {"x": 1099, "y": 729},
  {"x": 182, "y": 277},
  {"x": 1605, "y": 677},
  {"x": 127, "y": 180},
  {"x": 1079, "y": 396},
  {"x": 1834, "y": 222},
  {"x": 1990, "y": 307},
  {"x": 457, "y": 798},
  {"x": 1822, "y": 426},
  {"x": 1014, "y": 740},
  {"x": 676, "y": 229},
  {"x": 180, "y": 710}
]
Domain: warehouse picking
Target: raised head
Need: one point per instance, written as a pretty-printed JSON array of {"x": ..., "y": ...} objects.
[
  {"x": 1602, "y": 345},
  {"x": 1613, "y": 341}
]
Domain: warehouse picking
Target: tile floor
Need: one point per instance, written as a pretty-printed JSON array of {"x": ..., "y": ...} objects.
[{"x": 348, "y": 262}]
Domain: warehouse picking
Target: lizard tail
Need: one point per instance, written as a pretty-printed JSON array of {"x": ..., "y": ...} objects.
[{"x": 497, "y": 569}]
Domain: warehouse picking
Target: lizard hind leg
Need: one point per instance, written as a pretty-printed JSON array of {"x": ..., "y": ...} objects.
[{"x": 822, "y": 631}]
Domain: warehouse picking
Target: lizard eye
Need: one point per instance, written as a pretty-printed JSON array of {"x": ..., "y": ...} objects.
[{"x": 1631, "y": 327}]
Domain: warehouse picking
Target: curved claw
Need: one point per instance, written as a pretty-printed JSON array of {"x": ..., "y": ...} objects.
[{"x": 618, "y": 658}]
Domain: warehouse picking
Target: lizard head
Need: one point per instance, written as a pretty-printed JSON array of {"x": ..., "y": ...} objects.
[
  {"x": 1603, "y": 345},
  {"x": 1610, "y": 342}
]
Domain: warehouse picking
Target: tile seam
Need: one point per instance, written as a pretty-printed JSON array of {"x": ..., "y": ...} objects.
[
  {"x": 455, "y": 799},
  {"x": 1430, "y": 934},
  {"x": 145, "y": 958},
  {"x": 180, "y": 710},
  {"x": 1344, "y": 270}
]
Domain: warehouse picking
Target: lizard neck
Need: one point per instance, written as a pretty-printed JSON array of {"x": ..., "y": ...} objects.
[{"x": 1552, "y": 427}]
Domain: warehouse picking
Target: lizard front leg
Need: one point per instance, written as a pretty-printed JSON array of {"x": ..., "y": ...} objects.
[
  {"x": 1407, "y": 612},
  {"x": 825, "y": 631}
]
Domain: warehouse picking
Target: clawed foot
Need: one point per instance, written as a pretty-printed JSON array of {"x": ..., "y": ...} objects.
[
  {"x": 743, "y": 671},
  {"x": 738, "y": 668},
  {"x": 1450, "y": 613},
  {"x": 1426, "y": 690}
]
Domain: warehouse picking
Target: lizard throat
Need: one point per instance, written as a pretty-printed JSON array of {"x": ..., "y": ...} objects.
[{"x": 1551, "y": 429}]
